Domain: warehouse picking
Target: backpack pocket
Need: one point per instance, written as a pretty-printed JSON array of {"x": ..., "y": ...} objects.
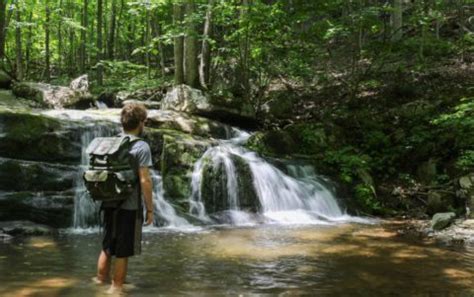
[{"x": 104, "y": 185}]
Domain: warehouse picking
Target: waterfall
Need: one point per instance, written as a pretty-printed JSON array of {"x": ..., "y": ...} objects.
[
  {"x": 163, "y": 209},
  {"x": 299, "y": 198},
  {"x": 85, "y": 209}
]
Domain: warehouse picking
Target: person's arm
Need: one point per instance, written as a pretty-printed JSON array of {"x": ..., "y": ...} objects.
[{"x": 147, "y": 191}]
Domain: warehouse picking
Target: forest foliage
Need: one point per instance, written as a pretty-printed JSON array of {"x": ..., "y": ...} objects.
[{"x": 372, "y": 88}]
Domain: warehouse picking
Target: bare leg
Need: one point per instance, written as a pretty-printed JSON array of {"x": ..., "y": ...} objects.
[
  {"x": 103, "y": 267},
  {"x": 120, "y": 272}
]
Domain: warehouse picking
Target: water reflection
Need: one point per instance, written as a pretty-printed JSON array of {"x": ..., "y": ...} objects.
[{"x": 341, "y": 260}]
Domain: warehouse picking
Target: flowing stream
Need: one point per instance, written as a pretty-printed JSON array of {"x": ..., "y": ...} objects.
[{"x": 279, "y": 231}]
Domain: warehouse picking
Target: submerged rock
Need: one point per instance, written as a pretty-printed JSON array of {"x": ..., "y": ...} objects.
[
  {"x": 25, "y": 228},
  {"x": 442, "y": 220}
]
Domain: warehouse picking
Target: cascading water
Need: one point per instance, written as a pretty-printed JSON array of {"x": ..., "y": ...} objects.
[
  {"x": 300, "y": 198},
  {"x": 162, "y": 209},
  {"x": 85, "y": 209}
]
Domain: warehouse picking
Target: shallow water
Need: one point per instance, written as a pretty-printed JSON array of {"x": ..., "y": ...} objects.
[{"x": 339, "y": 260}]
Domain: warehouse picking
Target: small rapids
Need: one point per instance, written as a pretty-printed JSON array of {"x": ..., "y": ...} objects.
[
  {"x": 292, "y": 194},
  {"x": 297, "y": 197}
]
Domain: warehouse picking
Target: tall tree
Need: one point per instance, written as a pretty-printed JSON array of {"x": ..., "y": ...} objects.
[
  {"x": 111, "y": 39},
  {"x": 178, "y": 43},
  {"x": 190, "y": 47},
  {"x": 60, "y": 35},
  {"x": 47, "y": 72},
  {"x": 29, "y": 43},
  {"x": 204, "y": 67},
  {"x": 99, "y": 42},
  {"x": 84, "y": 36},
  {"x": 3, "y": 6},
  {"x": 72, "y": 54},
  {"x": 397, "y": 20},
  {"x": 19, "y": 51}
]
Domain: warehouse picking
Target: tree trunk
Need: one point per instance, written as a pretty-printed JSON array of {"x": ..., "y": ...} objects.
[
  {"x": 60, "y": 37},
  {"x": 47, "y": 72},
  {"x": 204, "y": 67},
  {"x": 71, "y": 56},
  {"x": 178, "y": 44},
  {"x": 397, "y": 20},
  {"x": 111, "y": 41},
  {"x": 190, "y": 48},
  {"x": 84, "y": 36},
  {"x": 161, "y": 50},
  {"x": 146, "y": 42},
  {"x": 3, "y": 6},
  {"x": 244, "y": 49},
  {"x": 19, "y": 51},
  {"x": 99, "y": 42},
  {"x": 29, "y": 44}
]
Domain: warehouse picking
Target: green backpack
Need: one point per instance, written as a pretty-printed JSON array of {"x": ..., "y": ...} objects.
[{"x": 109, "y": 176}]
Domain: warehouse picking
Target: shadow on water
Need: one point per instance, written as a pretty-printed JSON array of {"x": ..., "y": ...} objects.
[{"x": 342, "y": 260}]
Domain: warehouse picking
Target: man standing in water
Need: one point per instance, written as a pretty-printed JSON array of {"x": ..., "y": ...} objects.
[{"x": 123, "y": 227}]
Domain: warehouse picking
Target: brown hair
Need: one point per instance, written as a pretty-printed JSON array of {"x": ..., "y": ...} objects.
[{"x": 132, "y": 114}]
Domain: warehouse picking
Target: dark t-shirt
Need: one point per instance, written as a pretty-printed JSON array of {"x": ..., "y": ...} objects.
[{"x": 140, "y": 157}]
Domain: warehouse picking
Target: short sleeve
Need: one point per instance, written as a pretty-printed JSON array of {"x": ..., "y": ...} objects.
[{"x": 143, "y": 155}]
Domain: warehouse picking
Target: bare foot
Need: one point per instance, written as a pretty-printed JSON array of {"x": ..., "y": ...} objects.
[
  {"x": 115, "y": 291},
  {"x": 98, "y": 281}
]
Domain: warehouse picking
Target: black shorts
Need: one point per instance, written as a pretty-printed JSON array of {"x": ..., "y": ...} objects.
[{"x": 122, "y": 232}]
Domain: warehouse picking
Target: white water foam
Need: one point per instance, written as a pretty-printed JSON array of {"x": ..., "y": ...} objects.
[
  {"x": 302, "y": 198},
  {"x": 163, "y": 209}
]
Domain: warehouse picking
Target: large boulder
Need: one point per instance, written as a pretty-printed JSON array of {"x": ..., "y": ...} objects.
[
  {"x": 180, "y": 152},
  {"x": 56, "y": 96},
  {"x": 442, "y": 220},
  {"x": 195, "y": 125},
  {"x": 30, "y": 136},
  {"x": 229, "y": 110},
  {"x": 214, "y": 187}
]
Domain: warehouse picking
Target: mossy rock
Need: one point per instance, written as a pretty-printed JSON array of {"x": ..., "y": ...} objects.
[
  {"x": 18, "y": 175},
  {"x": 190, "y": 124},
  {"x": 276, "y": 142},
  {"x": 35, "y": 137},
  {"x": 49, "y": 208},
  {"x": 180, "y": 152},
  {"x": 214, "y": 187}
]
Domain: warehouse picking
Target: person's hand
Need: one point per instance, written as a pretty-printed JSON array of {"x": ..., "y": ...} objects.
[{"x": 149, "y": 218}]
